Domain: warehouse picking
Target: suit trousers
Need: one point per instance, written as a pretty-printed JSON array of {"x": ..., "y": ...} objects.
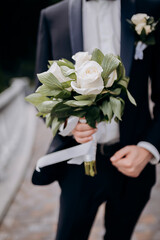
[{"x": 82, "y": 195}]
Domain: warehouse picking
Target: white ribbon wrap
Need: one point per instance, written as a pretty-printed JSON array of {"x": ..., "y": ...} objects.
[
  {"x": 85, "y": 152},
  {"x": 140, "y": 47}
]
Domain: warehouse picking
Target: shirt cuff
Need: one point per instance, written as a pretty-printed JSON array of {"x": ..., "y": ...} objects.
[{"x": 152, "y": 149}]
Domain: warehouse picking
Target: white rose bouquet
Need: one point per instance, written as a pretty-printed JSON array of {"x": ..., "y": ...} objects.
[
  {"x": 144, "y": 27},
  {"x": 92, "y": 88}
]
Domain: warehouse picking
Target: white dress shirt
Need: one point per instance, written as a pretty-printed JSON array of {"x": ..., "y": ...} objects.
[{"x": 102, "y": 29}]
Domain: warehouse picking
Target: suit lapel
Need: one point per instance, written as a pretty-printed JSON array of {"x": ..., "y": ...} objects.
[
  {"x": 75, "y": 24},
  {"x": 128, "y": 8}
]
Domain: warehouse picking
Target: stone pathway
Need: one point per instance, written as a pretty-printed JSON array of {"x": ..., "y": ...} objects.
[{"x": 34, "y": 211}]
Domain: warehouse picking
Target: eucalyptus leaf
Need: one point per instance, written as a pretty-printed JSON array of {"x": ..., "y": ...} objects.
[
  {"x": 79, "y": 113},
  {"x": 67, "y": 71},
  {"x": 109, "y": 64},
  {"x": 116, "y": 107},
  {"x": 97, "y": 56},
  {"x": 120, "y": 71},
  {"x": 64, "y": 94},
  {"x": 124, "y": 82},
  {"x": 46, "y": 107},
  {"x": 92, "y": 115},
  {"x": 65, "y": 62},
  {"x": 49, "y": 80},
  {"x": 66, "y": 84},
  {"x": 107, "y": 109},
  {"x": 70, "y": 64},
  {"x": 48, "y": 120},
  {"x": 51, "y": 62},
  {"x": 73, "y": 76},
  {"x": 81, "y": 103},
  {"x": 132, "y": 100},
  {"x": 55, "y": 126},
  {"x": 61, "y": 110},
  {"x": 36, "y": 98},
  {"x": 116, "y": 91},
  {"x": 85, "y": 97},
  {"x": 46, "y": 91}
]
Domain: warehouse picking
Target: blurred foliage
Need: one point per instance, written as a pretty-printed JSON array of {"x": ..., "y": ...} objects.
[{"x": 18, "y": 30}]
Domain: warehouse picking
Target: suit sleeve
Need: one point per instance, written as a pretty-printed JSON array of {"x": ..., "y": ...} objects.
[
  {"x": 43, "y": 51},
  {"x": 153, "y": 134}
]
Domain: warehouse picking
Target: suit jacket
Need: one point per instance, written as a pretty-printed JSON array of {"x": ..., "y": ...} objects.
[{"x": 60, "y": 36}]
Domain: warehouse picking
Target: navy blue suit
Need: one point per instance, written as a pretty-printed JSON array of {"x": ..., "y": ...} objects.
[{"x": 60, "y": 36}]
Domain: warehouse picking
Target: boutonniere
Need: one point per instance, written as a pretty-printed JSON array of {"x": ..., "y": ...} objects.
[{"x": 144, "y": 27}]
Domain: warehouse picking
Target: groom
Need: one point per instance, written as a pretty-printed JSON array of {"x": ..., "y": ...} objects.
[{"x": 127, "y": 155}]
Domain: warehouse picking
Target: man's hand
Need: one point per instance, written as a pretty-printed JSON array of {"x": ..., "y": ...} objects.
[
  {"x": 131, "y": 160},
  {"x": 83, "y": 132}
]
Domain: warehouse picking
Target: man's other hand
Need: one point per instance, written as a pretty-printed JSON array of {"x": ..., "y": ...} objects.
[{"x": 131, "y": 160}]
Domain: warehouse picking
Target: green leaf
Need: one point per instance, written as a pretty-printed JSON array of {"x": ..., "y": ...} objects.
[
  {"x": 36, "y": 98},
  {"x": 132, "y": 100},
  {"x": 48, "y": 120},
  {"x": 97, "y": 56},
  {"x": 120, "y": 71},
  {"x": 115, "y": 91},
  {"x": 55, "y": 126},
  {"x": 50, "y": 62},
  {"x": 67, "y": 71},
  {"x": 124, "y": 82},
  {"x": 66, "y": 84},
  {"x": 73, "y": 76},
  {"x": 129, "y": 21},
  {"x": 150, "y": 40},
  {"x": 61, "y": 110},
  {"x": 143, "y": 35},
  {"x": 85, "y": 97},
  {"x": 116, "y": 107},
  {"x": 46, "y": 107},
  {"x": 46, "y": 91},
  {"x": 109, "y": 64},
  {"x": 39, "y": 114},
  {"x": 79, "y": 113},
  {"x": 116, "y": 120},
  {"x": 81, "y": 103},
  {"x": 92, "y": 115},
  {"x": 64, "y": 94},
  {"x": 150, "y": 20},
  {"x": 65, "y": 62},
  {"x": 49, "y": 80},
  {"x": 107, "y": 110}
]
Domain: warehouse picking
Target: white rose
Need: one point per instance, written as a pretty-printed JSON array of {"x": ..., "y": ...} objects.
[
  {"x": 112, "y": 78},
  {"x": 56, "y": 71},
  {"x": 80, "y": 58},
  {"x": 148, "y": 29},
  {"x": 89, "y": 80},
  {"x": 139, "y": 18},
  {"x": 139, "y": 28}
]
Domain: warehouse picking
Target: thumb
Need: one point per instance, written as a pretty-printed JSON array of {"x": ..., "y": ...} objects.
[{"x": 120, "y": 154}]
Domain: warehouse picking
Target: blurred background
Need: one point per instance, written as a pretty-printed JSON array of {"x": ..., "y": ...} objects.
[
  {"x": 18, "y": 35},
  {"x": 27, "y": 211}
]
